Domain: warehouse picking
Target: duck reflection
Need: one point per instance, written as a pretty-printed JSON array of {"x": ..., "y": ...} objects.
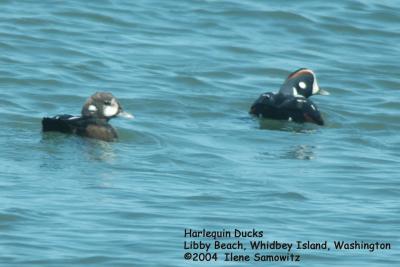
[
  {"x": 64, "y": 148},
  {"x": 100, "y": 150},
  {"x": 274, "y": 125},
  {"x": 301, "y": 152}
]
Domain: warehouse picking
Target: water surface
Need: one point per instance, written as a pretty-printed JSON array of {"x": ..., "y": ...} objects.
[{"x": 193, "y": 158}]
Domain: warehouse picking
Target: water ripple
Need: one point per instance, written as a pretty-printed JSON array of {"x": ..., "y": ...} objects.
[{"x": 193, "y": 157}]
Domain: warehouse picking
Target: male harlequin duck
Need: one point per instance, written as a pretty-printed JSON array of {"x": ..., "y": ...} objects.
[
  {"x": 93, "y": 123},
  {"x": 292, "y": 102}
]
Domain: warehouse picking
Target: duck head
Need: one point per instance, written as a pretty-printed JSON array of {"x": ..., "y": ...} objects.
[
  {"x": 302, "y": 82},
  {"x": 103, "y": 105}
]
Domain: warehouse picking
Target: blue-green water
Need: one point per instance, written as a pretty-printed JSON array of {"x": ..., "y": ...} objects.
[{"x": 193, "y": 158}]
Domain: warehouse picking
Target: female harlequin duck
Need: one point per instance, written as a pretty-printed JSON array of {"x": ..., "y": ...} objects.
[
  {"x": 291, "y": 103},
  {"x": 93, "y": 123}
]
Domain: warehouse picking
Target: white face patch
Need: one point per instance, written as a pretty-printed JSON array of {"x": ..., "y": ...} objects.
[
  {"x": 290, "y": 119},
  {"x": 111, "y": 110},
  {"x": 315, "y": 87},
  {"x": 92, "y": 108},
  {"x": 302, "y": 85},
  {"x": 295, "y": 92}
]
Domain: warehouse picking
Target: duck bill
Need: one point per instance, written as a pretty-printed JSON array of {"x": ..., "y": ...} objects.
[
  {"x": 126, "y": 115},
  {"x": 323, "y": 92}
]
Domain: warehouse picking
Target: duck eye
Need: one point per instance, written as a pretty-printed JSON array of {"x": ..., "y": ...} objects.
[
  {"x": 302, "y": 85},
  {"x": 107, "y": 102}
]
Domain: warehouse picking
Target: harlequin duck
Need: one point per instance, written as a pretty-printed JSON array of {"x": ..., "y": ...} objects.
[
  {"x": 291, "y": 103},
  {"x": 96, "y": 112}
]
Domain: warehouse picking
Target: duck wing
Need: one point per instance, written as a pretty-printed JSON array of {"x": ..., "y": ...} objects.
[{"x": 63, "y": 123}]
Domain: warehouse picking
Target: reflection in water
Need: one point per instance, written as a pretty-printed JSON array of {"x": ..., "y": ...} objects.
[
  {"x": 302, "y": 152},
  {"x": 100, "y": 150},
  {"x": 278, "y": 125},
  {"x": 71, "y": 148}
]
